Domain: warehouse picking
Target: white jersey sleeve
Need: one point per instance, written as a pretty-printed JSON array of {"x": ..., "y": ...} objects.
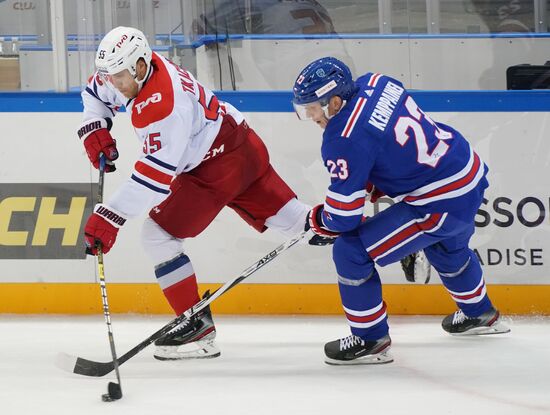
[{"x": 100, "y": 99}]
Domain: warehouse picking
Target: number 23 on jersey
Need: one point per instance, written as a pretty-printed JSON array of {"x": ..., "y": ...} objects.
[
  {"x": 419, "y": 126},
  {"x": 338, "y": 169}
]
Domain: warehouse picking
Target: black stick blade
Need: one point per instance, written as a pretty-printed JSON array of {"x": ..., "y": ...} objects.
[
  {"x": 82, "y": 366},
  {"x": 115, "y": 391}
]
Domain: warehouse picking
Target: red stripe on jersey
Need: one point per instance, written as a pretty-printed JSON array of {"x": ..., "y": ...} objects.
[
  {"x": 374, "y": 79},
  {"x": 406, "y": 233},
  {"x": 451, "y": 186},
  {"x": 369, "y": 318},
  {"x": 354, "y": 115},
  {"x": 153, "y": 173},
  {"x": 477, "y": 293},
  {"x": 336, "y": 204}
]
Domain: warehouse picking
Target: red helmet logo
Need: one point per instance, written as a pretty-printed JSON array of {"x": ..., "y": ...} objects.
[{"x": 121, "y": 41}]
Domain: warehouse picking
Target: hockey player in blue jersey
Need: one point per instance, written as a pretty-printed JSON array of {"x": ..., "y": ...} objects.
[{"x": 376, "y": 141}]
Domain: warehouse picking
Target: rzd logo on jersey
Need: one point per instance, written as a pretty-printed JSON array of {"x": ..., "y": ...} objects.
[
  {"x": 44, "y": 220},
  {"x": 153, "y": 99}
]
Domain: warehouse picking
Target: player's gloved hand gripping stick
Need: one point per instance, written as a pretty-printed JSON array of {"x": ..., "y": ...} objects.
[{"x": 86, "y": 367}]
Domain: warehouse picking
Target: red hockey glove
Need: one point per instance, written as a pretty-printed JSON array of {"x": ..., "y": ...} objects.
[
  {"x": 97, "y": 139},
  {"x": 314, "y": 222},
  {"x": 373, "y": 193},
  {"x": 102, "y": 228}
]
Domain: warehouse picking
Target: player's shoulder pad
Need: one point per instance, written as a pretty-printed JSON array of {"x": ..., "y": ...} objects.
[
  {"x": 156, "y": 99},
  {"x": 384, "y": 95},
  {"x": 347, "y": 123},
  {"x": 373, "y": 80}
]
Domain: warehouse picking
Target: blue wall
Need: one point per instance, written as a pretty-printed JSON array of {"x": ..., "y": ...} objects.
[{"x": 280, "y": 101}]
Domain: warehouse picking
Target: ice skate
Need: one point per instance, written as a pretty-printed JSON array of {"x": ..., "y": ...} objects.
[
  {"x": 487, "y": 323},
  {"x": 193, "y": 339},
  {"x": 353, "y": 350},
  {"x": 416, "y": 268}
]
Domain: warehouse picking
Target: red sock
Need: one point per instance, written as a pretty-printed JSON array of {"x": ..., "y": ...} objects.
[{"x": 183, "y": 294}]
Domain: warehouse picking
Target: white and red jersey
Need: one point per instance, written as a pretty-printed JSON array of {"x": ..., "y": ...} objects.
[{"x": 176, "y": 119}]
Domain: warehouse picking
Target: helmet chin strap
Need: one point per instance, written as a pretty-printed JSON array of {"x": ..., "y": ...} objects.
[
  {"x": 325, "y": 109},
  {"x": 145, "y": 78}
]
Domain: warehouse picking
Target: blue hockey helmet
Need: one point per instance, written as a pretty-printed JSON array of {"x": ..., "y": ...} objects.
[{"x": 321, "y": 80}]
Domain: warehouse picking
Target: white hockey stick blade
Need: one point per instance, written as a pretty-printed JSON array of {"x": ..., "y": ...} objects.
[{"x": 65, "y": 362}]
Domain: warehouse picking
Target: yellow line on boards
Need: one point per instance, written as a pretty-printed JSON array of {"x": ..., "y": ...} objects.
[{"x": 76, "y": 298}]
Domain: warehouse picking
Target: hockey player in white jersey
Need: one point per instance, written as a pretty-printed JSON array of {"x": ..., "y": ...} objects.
[{"x": 199, "y": 155}]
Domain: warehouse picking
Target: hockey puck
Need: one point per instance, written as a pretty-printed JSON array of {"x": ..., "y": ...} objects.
[
  {"x": 114, "y": 393},
  {"x": 106, "y": 398}
]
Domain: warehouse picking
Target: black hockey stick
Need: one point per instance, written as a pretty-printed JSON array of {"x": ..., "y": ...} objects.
[
  {"x": 114, "y": 389},
  {"x": 87, "y": 367}
]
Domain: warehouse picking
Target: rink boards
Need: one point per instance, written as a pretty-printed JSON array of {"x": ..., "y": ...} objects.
[{"x": 48, "y": 189}]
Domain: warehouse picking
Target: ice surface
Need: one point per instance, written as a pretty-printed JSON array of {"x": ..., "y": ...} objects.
[{"x": 274, "y": 365}]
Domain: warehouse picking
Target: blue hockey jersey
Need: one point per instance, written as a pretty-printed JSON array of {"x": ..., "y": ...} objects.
[{"x": 381, "y": 136}]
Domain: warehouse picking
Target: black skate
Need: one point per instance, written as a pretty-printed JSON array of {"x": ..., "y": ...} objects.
[
  {"x": 193, "y": 339},
  {"x": 489, "y": 322},
  {"x": 353, "y": 350}
]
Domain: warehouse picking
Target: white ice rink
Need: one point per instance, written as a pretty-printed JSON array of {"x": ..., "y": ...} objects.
[{"x": 274, "y": 365}]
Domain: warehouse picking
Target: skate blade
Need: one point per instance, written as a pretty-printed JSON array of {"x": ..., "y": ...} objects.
[
  {"x": 497, "y": 328},
  {"x": 197, "y": 350},
  {"x": 371, "y": 359},
  {"x": 179, "y": 356}
]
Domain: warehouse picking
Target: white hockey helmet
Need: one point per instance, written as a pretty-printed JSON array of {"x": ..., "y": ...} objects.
[{"x": 120, "y": 49}]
